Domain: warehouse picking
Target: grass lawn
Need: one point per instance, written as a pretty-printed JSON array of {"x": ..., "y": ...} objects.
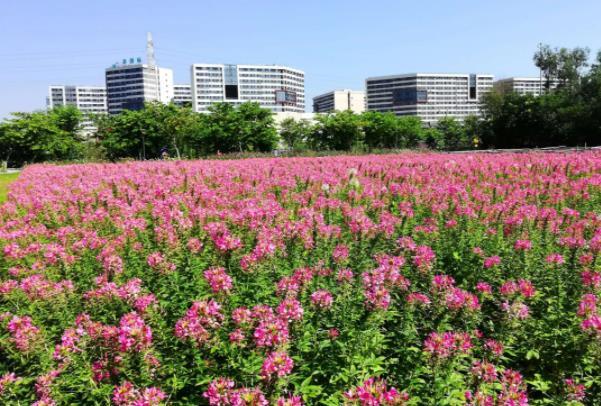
[{"x": 5, "y": 180}]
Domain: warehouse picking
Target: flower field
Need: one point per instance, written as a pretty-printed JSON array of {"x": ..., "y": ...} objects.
[{"x": 413, "y": 279}]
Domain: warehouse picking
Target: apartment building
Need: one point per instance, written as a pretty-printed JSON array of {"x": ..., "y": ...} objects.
[
  {"x": 340, "y": 100},
  {"x": 524, "y": 85},
  {"x": 275, "y": 87},
  {"x": 182, "y": 95},
  {"x": 130, "y": 84},
  {"x": 88, "y": 99},
  {"x": 430, "y": 96}
]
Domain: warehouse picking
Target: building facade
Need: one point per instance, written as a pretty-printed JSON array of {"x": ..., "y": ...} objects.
[
  {"x": 88, "y": 99},
  {"x": 182, "y": 95},
  {"x": 278, "y": 88},
  {"x": 130, "y": 85},
  {"x": 428, "y": 96},
  {"x": 524, "y": 85},
  {"x": 340, "y": 100}
]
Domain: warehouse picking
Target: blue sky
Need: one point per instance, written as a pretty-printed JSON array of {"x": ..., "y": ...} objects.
[{"x": 337, "y": 43}]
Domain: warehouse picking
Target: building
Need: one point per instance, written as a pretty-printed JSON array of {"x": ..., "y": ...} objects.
[
  {"x": 279, "y": 117},
  {"x": 278, "y": 88},
  {"x": 524, "y": 85},
  {"x": 182, "y": 95},
  {"x": 130, "y": 85},
  {"x": 88, "y": 99},
  {"x": 428, "y": 96},
  {"x": 340, "y": 100}
]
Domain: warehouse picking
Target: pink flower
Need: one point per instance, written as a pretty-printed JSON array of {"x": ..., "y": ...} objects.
[
  {"x": 290, "y": 309},
  {"x": 588, "y": 305},
  {"x": 526, "y": 288},
  {"x": 218, "y": 392},
  {"x": 424, "y": 257},
  {"x": 516, "y": 310},
  {"x": 374, "y": 392},
  {"x": 444, "y": 345},
  {"x": 6, "y": 380},
  {"x": 155, "y": 259},
  {"x": 198, "y": 321},
  {"x": 522, "y": 245},
  {"x": 290, "y": 401},
  {"x": 271, "y": 333},
  {"x": 322, "y": 299},
  {"x": 128, "y": 395},
  {"x": 555, "y": 259},
  {"x": 590, "y": 278},
  {"x": 484, "y": 371},
  {"x": 575, "y": 392},
  {"x": 218, "y": 279},
  {"x": 236, "y": 336},
  {"x": 340, "y": 253},
  {"x": 241, "y": 315},
  {"x": 194, "y": 245},
  {"x": 248, "y": 397},
  {"x": 134, "y": 333},
  {"x": 418, "y": 298},
  {"x": 442, "y": 282},
  {"x": 492, "y": 261},
  {"x": 23, "y": 333},
  {"x": 456, "y": 299},
  {"x": 333, "y": 333},
  {"x": 484, "y": 288},
  {"x": 344, "y": 275},
  {"x": 278, "y": 363},
  {"x": 592, "y": 324},
  {"x": 494, "y": 346}
]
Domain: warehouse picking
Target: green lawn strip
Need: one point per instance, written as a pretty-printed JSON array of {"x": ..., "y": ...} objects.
[{"x": 5, "y": 180}]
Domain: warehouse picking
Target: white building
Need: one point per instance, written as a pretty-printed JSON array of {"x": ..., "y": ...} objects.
[
  {"x": 88, "y": 99},
  {"x": 130, "y": 85},
  {"x": 428, "y": 96},
  {"x": 182, "y": 95},
  {"x": 524, "y": 85},
  {"x": 340, "y": 100},
  {"x": 278, "y": 88}
]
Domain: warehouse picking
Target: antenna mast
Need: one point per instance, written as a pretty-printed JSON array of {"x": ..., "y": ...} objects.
[{"x": 150, "y": 60}]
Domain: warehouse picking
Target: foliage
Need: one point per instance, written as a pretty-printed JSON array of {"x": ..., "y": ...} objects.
[
  {"x": 372, "y": 280},
  {"x": 340, "y": 131},
  {"x": 296, "y": 133},
  {"x": 147, "y": 132},
  {"x": 568, "y": 115},
  {"x": 41, "y": 136}
]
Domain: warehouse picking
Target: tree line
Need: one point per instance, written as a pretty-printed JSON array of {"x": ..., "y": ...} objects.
[
  {"x": 566, "y": 114},
  {"x": 569, "y": 114}
]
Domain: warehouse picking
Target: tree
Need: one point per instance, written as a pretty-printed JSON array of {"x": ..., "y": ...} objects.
[
  {"x": 472, "y": 126},
  {"x": 41, "y": 136},
  {"x": 410, "y": 131},
  {"x": 257, "y": 130},
  {"x": 546, "y": 61},
  {"x": 563, "y": 64},
  {"x": 226, "y": 128},
  {"x": 570, "y": 65},
  {"x": 453, "y": 135},
  {"x": 296, "y": 134},
  {"x": 339, "y": 131}
]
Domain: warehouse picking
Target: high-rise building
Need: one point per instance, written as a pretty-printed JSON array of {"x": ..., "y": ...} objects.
[
  {"x": 88, "y": 99},
  {"x": 340, "y": 100},
  {"x": 130, "y": 85},
  {"x": 428, "y": 96},
  {"x": 524, "y": 85},
  {"x": 278, "y": 88},
  {"x": 182, "y": 95}
]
